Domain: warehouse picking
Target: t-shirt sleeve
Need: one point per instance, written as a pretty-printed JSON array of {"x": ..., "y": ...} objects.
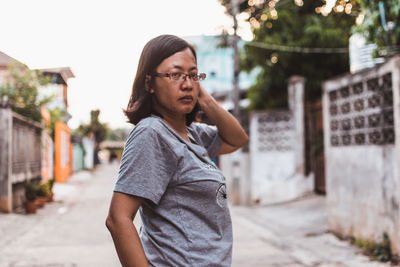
[
  {"x": 209, "y": 136},
  {"x": 146, "y": 167}
]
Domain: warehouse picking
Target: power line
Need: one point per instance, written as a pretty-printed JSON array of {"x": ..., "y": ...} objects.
[{"x": 298, "y": 49}]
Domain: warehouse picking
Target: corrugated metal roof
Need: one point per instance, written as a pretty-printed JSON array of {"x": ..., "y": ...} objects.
[
  {"x": 5, "y": 59},
  {"x": 66, "y": 72},
  {"x": 63, "y": 72}
]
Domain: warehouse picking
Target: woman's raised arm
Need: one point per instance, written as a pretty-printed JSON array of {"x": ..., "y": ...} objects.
[{"x": 230, "y": 130}]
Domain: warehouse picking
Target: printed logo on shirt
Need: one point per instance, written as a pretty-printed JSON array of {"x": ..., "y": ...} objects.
[{"x": 221, "y": 195}]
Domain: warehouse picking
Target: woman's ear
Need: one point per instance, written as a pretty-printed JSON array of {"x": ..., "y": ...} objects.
[{"x": 147, "y": 84}]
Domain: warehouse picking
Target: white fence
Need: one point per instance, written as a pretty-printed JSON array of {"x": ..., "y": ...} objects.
[
  {"x": 273, "y": 169},
  {"x": 361, "y": 118}
]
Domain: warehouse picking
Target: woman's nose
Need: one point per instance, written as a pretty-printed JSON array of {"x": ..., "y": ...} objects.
[{"x": 187, "y": 83}]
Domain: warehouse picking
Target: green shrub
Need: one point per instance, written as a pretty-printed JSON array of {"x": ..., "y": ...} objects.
[
  {"x": 43, "y": 190},
  {"x": 51, "y": 183},
  {"x": 379, "y": 250},
  {"x": 30, "y": 191}
]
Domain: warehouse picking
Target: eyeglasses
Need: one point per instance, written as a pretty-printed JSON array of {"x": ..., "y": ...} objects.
[{"x": 176, "y": 76}]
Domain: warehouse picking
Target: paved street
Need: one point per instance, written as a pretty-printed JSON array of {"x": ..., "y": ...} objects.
[{"x": 71, "y": 232}]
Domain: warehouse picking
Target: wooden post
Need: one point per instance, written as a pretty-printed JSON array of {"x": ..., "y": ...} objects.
[{"x": 5, "y": 159}]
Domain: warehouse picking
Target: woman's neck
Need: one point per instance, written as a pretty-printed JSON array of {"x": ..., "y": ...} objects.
[
  {"x": 176, "y": 122},
  {"x": 179, "y": 127}
]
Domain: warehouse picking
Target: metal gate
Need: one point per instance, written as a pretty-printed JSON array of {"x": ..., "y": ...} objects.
[{"x": 315, "y": 159}]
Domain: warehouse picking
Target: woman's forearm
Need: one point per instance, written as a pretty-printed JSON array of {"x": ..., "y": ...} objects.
[
  {"x": 229, "y": 128},
  {"x": 127, "y": 243}
]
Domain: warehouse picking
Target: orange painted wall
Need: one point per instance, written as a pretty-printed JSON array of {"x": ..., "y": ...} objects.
[{"x": 62, "y": 149}]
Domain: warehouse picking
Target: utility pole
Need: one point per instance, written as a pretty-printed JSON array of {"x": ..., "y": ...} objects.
[
  {"x": 236, "y": 93},
  {"x": 236, "y": 157}
]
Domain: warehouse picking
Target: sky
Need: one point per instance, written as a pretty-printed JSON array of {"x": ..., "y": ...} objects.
[{"x": 101, "y": 41}]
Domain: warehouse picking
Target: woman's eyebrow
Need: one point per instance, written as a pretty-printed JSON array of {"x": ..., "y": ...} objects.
[{"x": 181, "y": 68}]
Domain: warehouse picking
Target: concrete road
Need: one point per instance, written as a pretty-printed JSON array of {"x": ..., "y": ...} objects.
[
  {"x": 71, "y": 231},
  {"x": 68, "y": 232}
]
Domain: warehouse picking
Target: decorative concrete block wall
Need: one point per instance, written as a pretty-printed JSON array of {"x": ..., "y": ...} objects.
[
  {"x": 272, "y": 155},
  {"x": 273, "y": 169},
  {"x": 277, "y": 150},
  {"x": 361, "y": 138}
]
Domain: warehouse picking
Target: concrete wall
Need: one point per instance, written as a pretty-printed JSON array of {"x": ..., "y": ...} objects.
[
  {"x": 276, "y": 175},
  {"x": 273, "y": 170},
  {"x": 78, "y": 157},
  {"x": 237, "y": 171},
  {"x": 361, "y": 122},
  {"x": 88, "y": 146}
]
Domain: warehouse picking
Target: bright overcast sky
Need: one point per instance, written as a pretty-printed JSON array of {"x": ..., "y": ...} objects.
[{"x": 101, "y": 41}]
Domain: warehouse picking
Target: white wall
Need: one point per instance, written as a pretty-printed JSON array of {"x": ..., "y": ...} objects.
[
  {"x": 273, "y": 170},
  {"x": 88, "y": 145},
  {"x": 362, "y": 160},
  {"x": 237, "y": 171},
  {"x": 275, "y": 175}
]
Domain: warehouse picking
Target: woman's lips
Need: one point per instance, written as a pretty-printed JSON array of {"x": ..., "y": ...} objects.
[{"x": 186, "y": 99}]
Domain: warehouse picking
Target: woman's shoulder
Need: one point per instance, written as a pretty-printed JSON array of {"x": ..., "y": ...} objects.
[
  {"x": 152, "y": 133},
  {"x": 149, "y": 127},
  {"x": 150, "y": 124}
]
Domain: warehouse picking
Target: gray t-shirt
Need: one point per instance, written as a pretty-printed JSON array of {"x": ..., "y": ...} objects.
[{"x": 185, "y": 215}]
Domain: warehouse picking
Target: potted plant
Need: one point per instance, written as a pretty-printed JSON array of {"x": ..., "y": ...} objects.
[
  {"x": 50, "y": 183},
  {"x": 43, "y": 193},
  {"x": 30, "y": 197}
]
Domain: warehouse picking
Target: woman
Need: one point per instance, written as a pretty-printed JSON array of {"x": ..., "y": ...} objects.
[{"x": 166, "y": 172}]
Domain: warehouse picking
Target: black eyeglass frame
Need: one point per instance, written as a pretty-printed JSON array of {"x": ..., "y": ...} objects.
[{"x": 199, "y": 76}]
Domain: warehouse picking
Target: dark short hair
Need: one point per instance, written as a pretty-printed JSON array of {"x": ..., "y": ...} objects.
[{"x": 154, "y": 52}]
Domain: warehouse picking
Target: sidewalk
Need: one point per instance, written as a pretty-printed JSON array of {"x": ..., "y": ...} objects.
[
  {"x": 71, "y": 232},
  {"x": 291, "y": 234}
]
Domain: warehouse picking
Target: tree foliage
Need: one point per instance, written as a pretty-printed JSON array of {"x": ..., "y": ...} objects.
[
  {"x": 118, "y": 134},
  {"x": 21, "y": 89},
  {"x": 56, "y": 115},
  {"x": 292, "y": 24},
  {"x": 95, "y": 127},
  {"x": 371, "y": 24}
]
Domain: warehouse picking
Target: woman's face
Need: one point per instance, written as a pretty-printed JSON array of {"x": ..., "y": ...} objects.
[{"x": 176, "y": 98}]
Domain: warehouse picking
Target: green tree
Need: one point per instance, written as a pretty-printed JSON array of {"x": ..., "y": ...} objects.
[
  {"x": 56, "y": 114},
  {"x": 386, "y": 36},
  {"x": 21, "y": 89},
  {"x": 378, "y": 21},
  {"x": 286, "y": 29},
  {"x": 118, "y": 134},
  {"x": 95, "y": 127}
]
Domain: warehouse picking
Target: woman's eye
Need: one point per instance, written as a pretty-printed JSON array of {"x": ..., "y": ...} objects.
[
  {"x": 176, "y": 75},
  {"x": 193, "y": 76}
]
